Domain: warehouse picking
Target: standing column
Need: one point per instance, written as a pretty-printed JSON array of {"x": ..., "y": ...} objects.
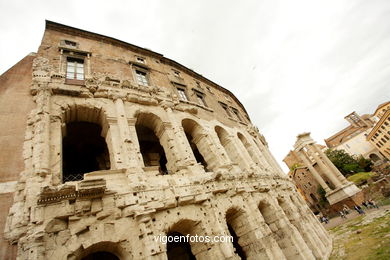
[
  {"x": 270, "y": 159},
  {"x": 313, "y": 171},
  {"x": 41, "y": 139},
  {"x": 135, "y": 159},
  {"x": 334, "y": 169},
  {"x": 123, "y": 129},
  {"x": 326, "y": 170},
  {"x": 176, "y": 159}
]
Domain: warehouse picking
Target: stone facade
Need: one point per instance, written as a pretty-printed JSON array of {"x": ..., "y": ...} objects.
[
  {"x": 353, "y": 138},
  {"x": 379, "y": 135},
  {"x": 124, "y": 144},
  {"x": 339, "y": 191}
]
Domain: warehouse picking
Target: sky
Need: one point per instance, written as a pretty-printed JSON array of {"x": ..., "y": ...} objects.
[{"x": 297, "y": 66}]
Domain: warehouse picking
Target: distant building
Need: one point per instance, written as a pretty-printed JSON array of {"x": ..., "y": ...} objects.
[
  {"x": 304, "y": 181},
  {"x": 380, "y": 134},
  {"x": 353, "y": 138}
]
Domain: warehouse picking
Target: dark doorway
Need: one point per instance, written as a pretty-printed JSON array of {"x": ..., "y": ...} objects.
[
  {"x": 236, "y": 245},
  {"x": 101, "y": 256},
  {"x": 180, "y": 250},
  {"x": 84, "y": 150},
  {"x": 198, "y": 156},
  {"x": 152, "y": 152}
]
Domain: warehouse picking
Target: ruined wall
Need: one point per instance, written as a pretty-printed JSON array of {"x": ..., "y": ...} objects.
[
  {"x": 219, "y": 171},
  {"x": 15, "y": 105}
]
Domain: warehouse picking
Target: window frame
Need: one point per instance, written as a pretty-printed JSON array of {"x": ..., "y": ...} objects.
[
  {"x": 74, "y": 80},
  {"x": 145, "y": 79},
  {"x": 182, "y": 93},
  {"x": 236, "y": 113},
  {"x": 200, "y": 98},
  {"x": 225, "y": 107}
]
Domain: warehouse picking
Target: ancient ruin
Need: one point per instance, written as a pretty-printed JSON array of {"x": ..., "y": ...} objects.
[
  {"x": 123, "y": 144},
  {"x": 339, "y": 191}
]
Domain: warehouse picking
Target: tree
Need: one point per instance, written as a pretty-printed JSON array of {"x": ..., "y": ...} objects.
[
  {"x": 321, "y": 192},
  {"x": 346, "y": 163}
]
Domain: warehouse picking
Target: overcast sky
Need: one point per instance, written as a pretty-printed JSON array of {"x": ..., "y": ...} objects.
[{"x": 295, "y": 65}]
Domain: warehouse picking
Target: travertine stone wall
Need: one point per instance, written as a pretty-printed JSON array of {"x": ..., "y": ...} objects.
[{"x": 120, "y": 210}]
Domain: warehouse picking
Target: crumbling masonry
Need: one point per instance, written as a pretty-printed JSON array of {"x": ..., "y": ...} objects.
[{"x": 124, "y": 144}]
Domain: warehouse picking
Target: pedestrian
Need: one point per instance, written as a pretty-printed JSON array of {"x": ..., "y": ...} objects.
[
  {"x": 372, "y": 203},
  {"x": 358, "y": 209},
  {"x": 364, "y": 204},
  {"x": 342, "y": 215}
]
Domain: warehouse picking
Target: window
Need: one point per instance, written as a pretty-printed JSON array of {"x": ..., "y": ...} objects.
[
  {"x": 74, "y": 69},
  {"x": 200, "y": 98},
  {"x": 182, "y": 94},
  {"x": 142, "y": 77},
  {"x": 140, "y": 60},
  {"x": 176, "y": 73},
  {"x": 225, "y": 107},
  {"x": 236, "y": 113},
  {"x": 70, "y": 43}
]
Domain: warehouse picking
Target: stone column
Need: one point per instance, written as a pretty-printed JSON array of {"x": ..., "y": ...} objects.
[
  {"x": 316, "y": 175},
  {"x": 334, "y": 169},
  {"x": 56, "y": 149},
  {"x": 304, "y": 228},
  {"x": 123, "y": 130},
  {"x": 325, "y": 169},
  {"x": 260, "y": 156},
  {"x": 244, "y": 153},
  {"x": 270, "y": 159},
  {"x": 41, "y": 139},
  {"x": 111, "y": 132}
]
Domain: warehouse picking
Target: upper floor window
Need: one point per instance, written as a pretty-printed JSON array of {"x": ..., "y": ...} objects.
[
  {"x": 140, "y": 60},
  {"x": 176, "y": 73},
  {"x": 74, "y": 70},
  {"x": 70, "y": 43},
  {"x": 225, "y": 107},
  {"x": 182, "y": 94},
  {"x": 142, "y": 77},
  {"x": 200, "y": 98},
  {"x": 236, "y": 113}
]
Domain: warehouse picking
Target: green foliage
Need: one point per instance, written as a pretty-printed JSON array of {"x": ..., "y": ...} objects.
[
  {"x": 321, "y": 192},
  {"x": 361, "y": 177},
  {"x": 294, "y": 166},
  {"x": 348, "y": 164},
  {"x": 364, "y": 163}
]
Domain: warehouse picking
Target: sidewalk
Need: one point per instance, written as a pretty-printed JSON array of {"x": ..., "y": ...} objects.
[{"x": 333, "y": 222}]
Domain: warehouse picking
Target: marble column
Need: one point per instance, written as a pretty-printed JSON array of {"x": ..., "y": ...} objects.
[{"x": 316, "y": 175}]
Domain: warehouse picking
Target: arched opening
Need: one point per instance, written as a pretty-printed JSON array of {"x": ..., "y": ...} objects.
[
  {"x": 84, "y": 150},
  {"x": 248, "y": 147},
  {"x": 183, "y": 240},
  {"x": 233, "y": 220},
  {"x": 101, "y": 255},
  {"x": 178, "y": 248},
  {"x": 229, "y": 146},
  {"x": 374, "y": 157},
  {"x": 104, "y": 250},
  {"x": 153, "y": 153},
  {"x": 192, "y": 131}
]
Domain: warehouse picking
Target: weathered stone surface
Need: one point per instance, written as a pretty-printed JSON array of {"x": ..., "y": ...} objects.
[{"x": 171, "y": 152}]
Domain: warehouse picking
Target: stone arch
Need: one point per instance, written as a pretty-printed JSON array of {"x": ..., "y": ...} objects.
[
  {"x": 85, "y": 143},
  {"x": 235, "y": 219},
  {"x": 309, "y": 236},
  {"x": 271, "y": 219},
  {"x": 150, "y": 131},
  {"x": 374, "y": 157},
  {"x": 187, "y": 247},
  {"x": 105, "y": 250},
  {"x": 228, "y": 144},
  {"x": 249, "y": 148},
  {"x": 195, "y": 136}
]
